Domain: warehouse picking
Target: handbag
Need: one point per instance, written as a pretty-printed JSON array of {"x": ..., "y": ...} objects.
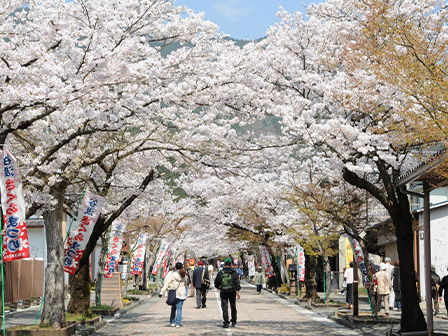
[
  {"x": 171, "y": 300},
  {"x": 205, "y": 283}
]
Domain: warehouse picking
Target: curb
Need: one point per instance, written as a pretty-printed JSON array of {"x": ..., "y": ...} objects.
[{"x": 120, "y": 313}]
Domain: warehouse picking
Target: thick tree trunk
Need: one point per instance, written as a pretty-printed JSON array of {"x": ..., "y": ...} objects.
[
  {"x": 412, "y": 318},
  {"x": 310, "y": 278},
  {"x": 397, "y": 204},
  {"x": 80, "y": 289},
  {"x": 80, "y": 286},
  {"x": 276, "y": 280},
  {"x": 53, "y": 313}
]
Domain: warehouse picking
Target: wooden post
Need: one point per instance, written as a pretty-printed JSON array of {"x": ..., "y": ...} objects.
[{"x": 355, "y": 288}]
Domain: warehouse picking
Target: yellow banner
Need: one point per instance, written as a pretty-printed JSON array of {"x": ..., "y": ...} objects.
[{"x": 348, "y": 253}]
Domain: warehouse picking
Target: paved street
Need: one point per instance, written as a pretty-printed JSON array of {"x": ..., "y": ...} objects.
[{"x": 264, "y": 314}]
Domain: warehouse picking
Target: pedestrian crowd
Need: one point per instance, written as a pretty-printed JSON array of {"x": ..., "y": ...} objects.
[{"x": 197, "y": 278}]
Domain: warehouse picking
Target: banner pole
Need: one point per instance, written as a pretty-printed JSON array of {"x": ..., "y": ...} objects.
[
  {"x": 105, "y": 256},
  {"x": 298, "y": 278},
  {"x": 3, "y": 279}
]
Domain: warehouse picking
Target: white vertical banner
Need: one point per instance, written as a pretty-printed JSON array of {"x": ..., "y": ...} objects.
[
  {"x": 114, "y": 248},
  {"x": 251, "y": 265},
  {"x": 15, "y": 237},
  {"x": 139, "y": 255},
  {"x": 88, "y": 213},
  {"x": 163, "y": 249},
  {"x": 301, "y": 263},
  {"x": 266, "y": 260}
]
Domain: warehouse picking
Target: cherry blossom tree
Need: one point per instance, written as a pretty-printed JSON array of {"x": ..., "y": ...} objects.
[{"x": 338, "y": 115}]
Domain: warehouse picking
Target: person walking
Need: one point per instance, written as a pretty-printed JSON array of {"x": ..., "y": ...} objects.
[
  {"x": 190, "y": 283},
  {"x": 390, "y": 270},
  {"x": 348, "y": 278},
  {"x": 383, "y": 288},
  {"x": 443, "y": 288},
  {"x": 397, "y": 284},
  {"x": 435, "y": 283},
  {"x": 177, "y": 281},
  {"x": 210, "y": 271},
  {"x": 228, "y": 283},
  {"x": 201, "y": 282},
  {"x": 259, "y": 279}
]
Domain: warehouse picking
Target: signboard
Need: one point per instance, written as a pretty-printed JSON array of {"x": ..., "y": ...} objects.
[
  {"x": 15, "y": 237},
  {"x": 88, "y": 213}
]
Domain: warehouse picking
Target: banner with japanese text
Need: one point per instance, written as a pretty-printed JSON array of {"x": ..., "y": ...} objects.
[
  {"x": 165, "y": 265},
  {"x": 163, "y": 248},
  {"x": 139, "y": 255},
  {"x": 173, "y": 257},
  {"x": 251, "y": 265},
  {"x": 15, "y": 237},
  {"x": 348, "y": 252},
  {"x": 114, "y": 248},
  {"x": 301, "y": 263},
  {"x": 88, "y": 213},
  {"x": 266, "y": 260},
  {"x": 359, "y": 255}
]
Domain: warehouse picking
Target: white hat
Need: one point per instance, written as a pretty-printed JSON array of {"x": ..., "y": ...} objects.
[{"x": 383, "y": 267}]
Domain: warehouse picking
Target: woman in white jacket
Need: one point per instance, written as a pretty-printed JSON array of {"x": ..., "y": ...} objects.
[{"x": 176, "y": 281}]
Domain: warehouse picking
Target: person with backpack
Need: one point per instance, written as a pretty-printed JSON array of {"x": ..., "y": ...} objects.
[{"x": 227, "y": 282}]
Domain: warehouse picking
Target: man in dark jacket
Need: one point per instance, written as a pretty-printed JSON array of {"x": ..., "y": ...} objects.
[
  {"x": 201, "y": 282},
  {"x": 228, "y": 282},
  {"x": 443, "y": 288},
  {"x": 435, "y": 282}
]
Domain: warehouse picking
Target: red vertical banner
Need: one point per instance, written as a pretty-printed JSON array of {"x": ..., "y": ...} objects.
[
  {"x": 15, "y": 237},
  {"x": 165, "y": 266},
  {"x": 266, "y": 260}
]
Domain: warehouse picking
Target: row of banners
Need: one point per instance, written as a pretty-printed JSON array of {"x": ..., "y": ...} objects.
[
  {"x": 16, "y": 244},
  {"x": 15, "y": 238}
]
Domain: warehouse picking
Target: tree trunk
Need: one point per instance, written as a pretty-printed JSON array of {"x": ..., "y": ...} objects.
[
  {"x": 80, "y": 289},
  {"x": 53, "y": 313},
  {"x": 397, "y": 204},
  {"x": 80, "y": 286},
  {"x": 412, "y": 318},
  {"x": 277, "y": 279},
  {"x": 310, "y": 278}
]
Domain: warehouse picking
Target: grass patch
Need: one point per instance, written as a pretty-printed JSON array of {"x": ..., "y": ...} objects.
[
  {"x": 102, "y": 307},
  {"x": 78, "y": 317},
  {"x": 136, "y": 291}
]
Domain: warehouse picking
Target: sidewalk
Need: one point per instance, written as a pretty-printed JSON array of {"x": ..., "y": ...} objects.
[
  {"x": 265, "y": 314},
  {"x": 440, "y": 320}
]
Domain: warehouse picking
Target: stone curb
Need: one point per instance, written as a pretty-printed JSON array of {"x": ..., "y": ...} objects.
[{"x": 120, "y": 313}]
